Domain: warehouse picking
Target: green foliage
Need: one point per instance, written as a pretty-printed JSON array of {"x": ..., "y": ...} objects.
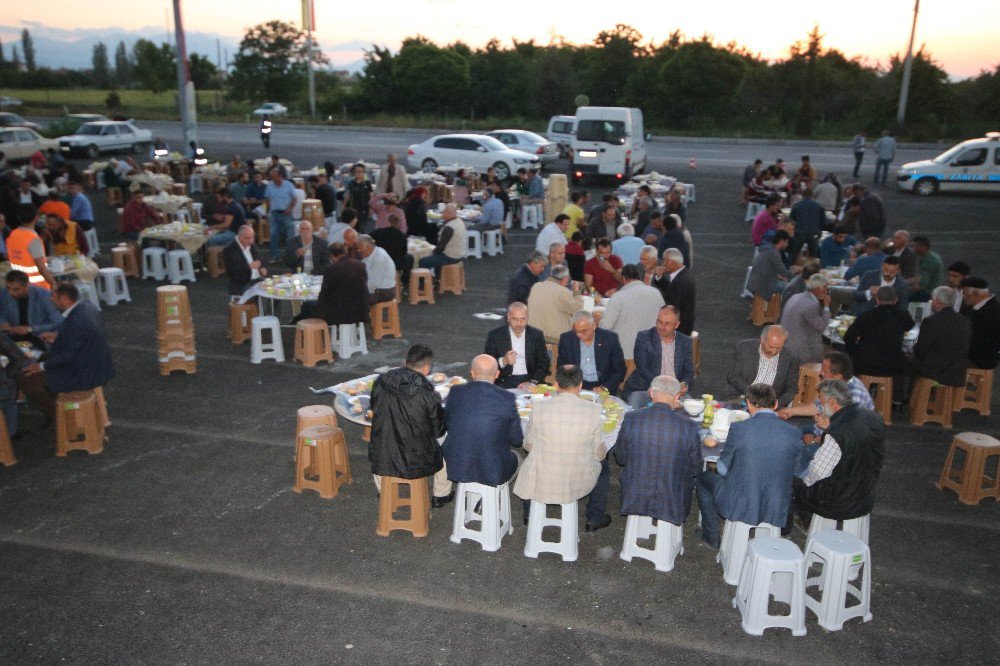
[
  {"x": 271, "y": 63},
  {"x": 101, "y": 66},
  {"x": 28, "y": 47},
  {"x": 428, "y": 78},
  {"x": 203, "y": 72},
  {"x": 611, "y": 61},
  {"x": 123, "y": 65},
  {"x": 699, "y": 81},
  {"x": 155, "y": 66}
]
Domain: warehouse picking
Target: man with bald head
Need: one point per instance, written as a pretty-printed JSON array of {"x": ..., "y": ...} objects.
[
  {"x": 765, "y": 361},
  {"x": 483, "y": 426},
  {"x": 518, "y": 349}
]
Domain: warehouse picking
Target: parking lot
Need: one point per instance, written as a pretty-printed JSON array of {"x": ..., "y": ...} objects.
[{"x": 184, "y": 543}]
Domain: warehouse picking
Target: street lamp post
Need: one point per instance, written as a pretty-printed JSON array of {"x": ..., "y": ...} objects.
[
  {"x": 185, "y": 86},
  {"x": 904, "y": 90}
]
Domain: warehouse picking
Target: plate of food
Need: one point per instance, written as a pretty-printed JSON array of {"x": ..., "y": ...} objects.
[
  {"x": 360, "y": 404},
  {"x": 589, "y": 396}
]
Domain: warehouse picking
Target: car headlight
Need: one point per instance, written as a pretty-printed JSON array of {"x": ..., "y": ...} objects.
[{"x": 521, "y": 160}]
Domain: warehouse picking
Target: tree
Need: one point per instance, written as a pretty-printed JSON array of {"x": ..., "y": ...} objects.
[
  {"x": 123, "y": 65},
  {"x": 376, "y": 88},
  {"x": 804, "y": 121},
  {"x": 271, "y": 63},
  {"x": 155, "y": 66},
  {"x": 101, "y": 67},
  {"x": 611, "y": 63},
  {"x": 430, "y": 79},
  {"x": 28, "y": 47},
  {"x": 699, "y": 81},
  {"x": 203, "y": 72},
  {"x": 3, "y": 59}
]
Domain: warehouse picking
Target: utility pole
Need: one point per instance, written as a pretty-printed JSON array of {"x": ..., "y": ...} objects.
[
  {"x": 904, "y": 89},
  {"x": 185, "y": 86},
  {"x": 308, "y": 22}
]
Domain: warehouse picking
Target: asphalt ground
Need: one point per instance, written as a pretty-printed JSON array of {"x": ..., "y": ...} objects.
[{"x": 184, "y": 543}]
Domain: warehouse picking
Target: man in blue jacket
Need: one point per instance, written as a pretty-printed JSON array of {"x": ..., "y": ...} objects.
[
  {"x": 483, "y": 425},
  {"x": 649, "y": 362},
  {"x": 80, "y": 358},
  {"x": 26, "y": 311},
  {"x": 753, "y": 479},
  {"x": 596, "y": 351}
]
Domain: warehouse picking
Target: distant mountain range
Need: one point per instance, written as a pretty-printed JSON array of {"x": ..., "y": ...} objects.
[{"x": 72, "y": 49}]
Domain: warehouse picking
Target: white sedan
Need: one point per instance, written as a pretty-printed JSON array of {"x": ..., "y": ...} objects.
[
  {"x": 547, "y": 151},
  {"x": 101, "y": 136},
  {"x": 476, "y": 150},
  {"x": 271, "y": 109}
]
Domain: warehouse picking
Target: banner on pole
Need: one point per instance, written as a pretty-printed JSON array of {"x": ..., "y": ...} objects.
[{"x": 308, "y": 15}]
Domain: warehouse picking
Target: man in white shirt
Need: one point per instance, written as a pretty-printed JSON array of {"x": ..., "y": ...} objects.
[
  {"x": 553, "y": 232},
  {"x": 380, "y": 268},
  {"x": 519, "y": 349}
]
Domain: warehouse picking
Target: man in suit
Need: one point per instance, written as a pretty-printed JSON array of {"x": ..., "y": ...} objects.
[
  {"x": 26, "y": 311},
  {"x": 942, "y": 349},
  {"x": 343, "y": 298},
  {"x": 752, "y": 481},
  {"x": 765, "y": 361},
  {"x": 660, "y": 454},
  {"x": 243, "y": 265},
  {"x": 306, "y": 253},
  {"x": 597, "y": 352},
  {"x": 79, "y": 358},
  {"x": 887, "y": 276},
  {"x": 661, "y": 350},
  {"x": 633, "y": 308},
  {"x": 909, "y": 263},
  {"x": 483, "y": 425},
  {"x": 520, "y": 284},
  {"x": 680, "y": 291},
  {"x": 768, "y": 274},
  {"x": 566, "y": 456},
  {"x": 983, "y": 311},
  {"x": 875, "y": 339},
  {"x": 806, "y": 317},
  {"x": 519, "y": 349}
]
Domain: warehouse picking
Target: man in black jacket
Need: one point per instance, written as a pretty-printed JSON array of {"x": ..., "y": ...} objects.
[
  {"x": 407, "y": 421},
  {"x": 983, "y": 311},
  {"x": 243, "y": 265},
  {"x": 306, "y": 253},
  {"x": 875, "y": 339},
  {"x": 393, "y": 241},
  {"x": 839, "y": 482},
  {"x": 518, "y": 348},
  {"x": 524, "y": 279},
  {"x": 680, "y": 291},
  {"x": 942, "y": 348}
]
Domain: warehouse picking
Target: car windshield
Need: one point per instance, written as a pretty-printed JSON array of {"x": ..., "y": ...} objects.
[
  {"x": 605, "y": 131},
  {"x": 492, "y": 144},
  {"x": 12, "y": 118},
  {"x": 951, "y": 153},
  {"x": 531, "y": 137},
  {"x": 89, "y": 128}
]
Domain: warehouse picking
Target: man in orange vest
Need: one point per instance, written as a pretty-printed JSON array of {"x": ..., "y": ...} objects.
[{"x": 27, "y": 251}]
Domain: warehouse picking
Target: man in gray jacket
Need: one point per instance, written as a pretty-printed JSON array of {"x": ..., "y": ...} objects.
[{"x": 806, "y": 317}]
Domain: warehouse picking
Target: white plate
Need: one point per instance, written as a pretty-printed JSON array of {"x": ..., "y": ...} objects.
[
  {"x": 588, "y": 395},
  {"x": 487, "y": 316}
]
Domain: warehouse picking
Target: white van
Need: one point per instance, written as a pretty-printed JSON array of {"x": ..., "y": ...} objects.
[
  {"x": 609, "y": 141},
  {"x": 971, "y": 166},
  {"x": 561, "y": 130}
]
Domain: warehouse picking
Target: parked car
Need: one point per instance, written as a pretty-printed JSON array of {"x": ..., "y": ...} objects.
[
  {"x": 476, "y": 150},
  {"x": 271, "y": 109},
  {"x": 19, "y": 143},
  {"x": 609, "y": 141},
  {"x": 562, "y": 129},
  {"x": 100, "y": 136},
  {"x": 547, "y": 151},
  {"x": 971, "y": 166},
  {"x": 70, "y": 123},
  {"x": 13, "y": 120}
]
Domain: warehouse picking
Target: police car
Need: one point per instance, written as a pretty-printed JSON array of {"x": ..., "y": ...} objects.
[{"x": 971, "y": 166}]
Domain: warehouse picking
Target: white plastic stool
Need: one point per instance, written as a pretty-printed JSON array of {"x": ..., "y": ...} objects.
[
  {"x": 746, "y": 293},
  {"x": 88, "y": 293},
  {"x": 855, "y": 527},
  {"x": 194, "y": 183},
  {"x": 753, "y": 210},
  {"x": 111, "y": 286},
  {"x": 669, "y": 541},
  {"x": 531, "y": 216},
  {"x": 493, "y": 516},
  {"x": 182, "y": 215},
  {"x": 99, "y": 175},
  {"x": 348, "y": 339},
  {"x": 774, "y": 568},
  {"x": 180, "y": 267},
  {"x": 475, "y": 244},
  {"x": 93, "y": 244},
  {"x": 154, "y": 263},
  {"x": 197, "y": 207},
  {"x": 732, "y": 551},
  {"x": 508, "y": 220},
  {"x": 260, "y": 350},
  {"x": 840, "y": 555},
  {"x": 493, "y": 242},
  {"x": 569, "y": 531}
]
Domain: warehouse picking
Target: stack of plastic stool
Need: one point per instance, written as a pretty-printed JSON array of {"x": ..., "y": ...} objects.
[{"x": 175, "y": 330}]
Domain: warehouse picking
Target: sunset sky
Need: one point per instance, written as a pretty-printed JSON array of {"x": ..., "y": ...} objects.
[{"x": 961, "y": 34}]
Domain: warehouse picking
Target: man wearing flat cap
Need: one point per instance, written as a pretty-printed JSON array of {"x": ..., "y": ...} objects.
[{"x": 983, "y": 311}]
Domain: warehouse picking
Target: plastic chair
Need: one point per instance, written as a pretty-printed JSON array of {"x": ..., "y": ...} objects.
[
  {"x": 668, "y": 545},
  {"x": 883, "y": 394},
  {"x": 124, "y": 258},
  {"x": 493, "y": 515},
  {"x": 261, "y": 350},
  {"x": 931, "y": 403},
  {"x": 774, "y": 568},
  {"x": 732, "y": 551},
  {"x": 384, "y": 318},
  {"x": 452, "y": 278},
  {"x": 240, "y": 317},
  {"x": 493, "y": 242},
  {"x": 971, "y": 482},
  {"x": 531, "y": 216},
  {"x": 180, "y": 267},
  {"x": 858, "y": 527},
  {"x": 7, "y": 458},
  {"x": 88, "y": 292},
  {"x": 78, "y": 423},
  {"x": 569, "y": 531},
  {"x": 842, "y": 557},
  {"x": 312, "y": 342},
  {"x": 93, "y": 244},
  {"x": 112, "y": 287},
  {"x": 390, "y": 502},
  {"x": 475, "y": 244},
  {"x": 977, "y": 392},
  {"x": 421, "y": 286},
  {"x": 154, "y": 263},
  {"x": 349, "y": 339},
  {"x": 321, "y": 462}
]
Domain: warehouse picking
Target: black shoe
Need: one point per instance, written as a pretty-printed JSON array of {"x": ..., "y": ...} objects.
[
  {"x": 438, "y": 502},
  {"x": 526, "y": 520},
  {"x": 593, "y": 527},
  {"x": 714, "y": 545}
]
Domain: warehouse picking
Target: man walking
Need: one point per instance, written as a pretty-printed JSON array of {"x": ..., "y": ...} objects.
[
  {"x": 885, "y": 153},
  {"x": 858, "y": 147}
]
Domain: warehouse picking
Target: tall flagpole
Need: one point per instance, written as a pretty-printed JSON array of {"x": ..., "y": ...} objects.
[
  {"x": 904, "y": 90},
  {"x": 185, "y": 86},
  {"x": 308, "y": 20}
]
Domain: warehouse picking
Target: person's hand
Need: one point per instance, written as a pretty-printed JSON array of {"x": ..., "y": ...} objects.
[
  {"x": 808, "y": 438},
  {"x": 599, "y": 389},
  {"x": 262, "y": 271},
  {"x": 873, "y": 290},
  {"x": 48, "y": 337},
  {"x": 527, "y": 386},
  {"x": 826, "y": 301},
  {"x": 301, "y": 252},
  {"x": 822, "y": 421},
  {"x": 32, "y": 369},
  {"x": 510, "y": 358},
  {"x": 21, "y": 330},
  {"x": 784, "y": 413},
  {"x": 5, "y": 327},
  {"x": 611, "y": 292},
  {"x": 256, "y": 264}
]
